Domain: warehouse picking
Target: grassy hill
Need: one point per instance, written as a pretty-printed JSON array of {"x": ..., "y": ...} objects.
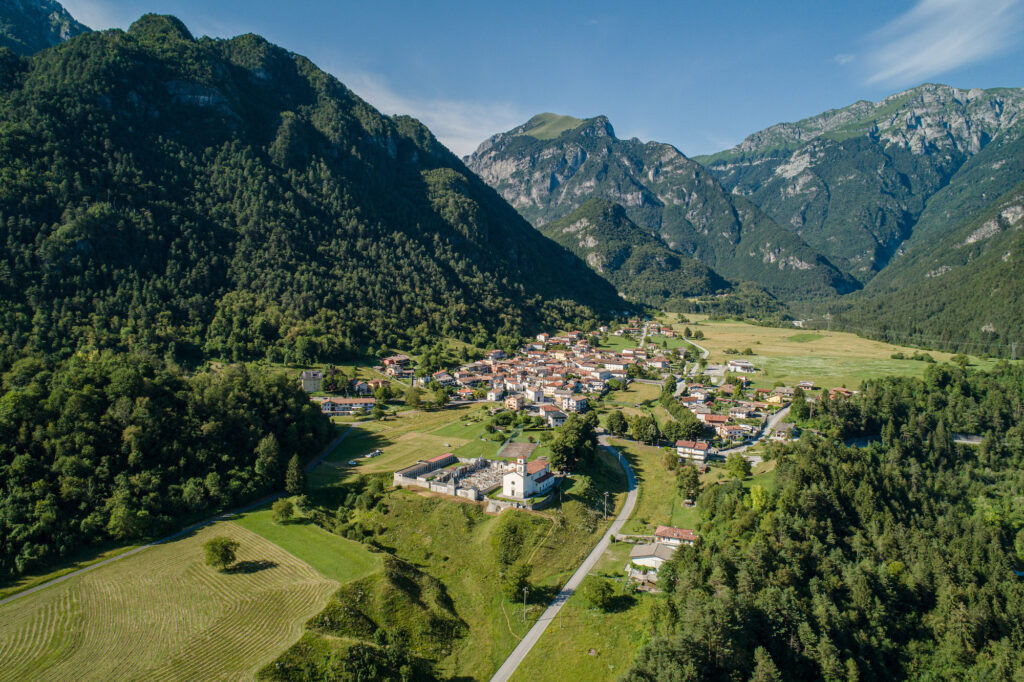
[
  {"x": 164, "y": 614},
  {"x": 548, "y": 126}
]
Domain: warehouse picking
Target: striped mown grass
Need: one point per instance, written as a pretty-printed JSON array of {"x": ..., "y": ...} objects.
[{"x": 162, "y": 614}]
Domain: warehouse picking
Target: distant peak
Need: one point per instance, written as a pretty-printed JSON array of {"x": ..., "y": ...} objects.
[
  {"x": 548, "y": 126},
  {"x": 162, "y": 26},
  {"x": 600, "y": 126}
]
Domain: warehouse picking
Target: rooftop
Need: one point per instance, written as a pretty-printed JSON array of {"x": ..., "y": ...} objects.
[
  {"x": 654, "y": 549},
  {"x": 676, "y": 533}
]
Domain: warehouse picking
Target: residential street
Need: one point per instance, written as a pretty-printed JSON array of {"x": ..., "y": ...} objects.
[
  {"x": 531, "y": 638},
  {"x": 769, "y": 427}
]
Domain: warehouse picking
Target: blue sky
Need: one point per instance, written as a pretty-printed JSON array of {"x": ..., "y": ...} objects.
[{"x": 699, "y": 75}]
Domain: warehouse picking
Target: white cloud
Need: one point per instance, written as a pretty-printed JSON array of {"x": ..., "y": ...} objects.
[
  {"x": 843, "y": 58},
  {"x": 460, "y": 124},
  {"x": 936, "y": 36}
]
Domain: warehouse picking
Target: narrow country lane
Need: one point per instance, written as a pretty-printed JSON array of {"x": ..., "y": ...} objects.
[{"x": 531, "y": 638}]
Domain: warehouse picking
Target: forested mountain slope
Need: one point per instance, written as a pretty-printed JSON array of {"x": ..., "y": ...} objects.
[
  {"x": 228, "y": 198},
  {"x": 548, "y": 167},
  {"x": 894, "y": 561},
  {"x": 639, "y": 264},
  {"x": 27, "y": 26},
  {"x": 962, "y": 289},
  {"x": 854, "y": 182}
]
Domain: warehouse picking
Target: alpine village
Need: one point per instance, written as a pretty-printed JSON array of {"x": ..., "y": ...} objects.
[{"x": 290, "y": 391}]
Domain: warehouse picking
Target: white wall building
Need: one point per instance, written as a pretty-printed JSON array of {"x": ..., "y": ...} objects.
[{"x": 527, "y": 479}]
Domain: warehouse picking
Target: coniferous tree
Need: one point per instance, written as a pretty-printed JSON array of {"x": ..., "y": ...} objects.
[{"x": 295, "y": 479}]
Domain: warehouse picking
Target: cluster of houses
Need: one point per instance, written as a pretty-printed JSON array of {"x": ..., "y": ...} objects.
[
  {"x": 552, "y": 376},
  {"x": 645, "y": 559},
  {"x": 731, "y": 414}
]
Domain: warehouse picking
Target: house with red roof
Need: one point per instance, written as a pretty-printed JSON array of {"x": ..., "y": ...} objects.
[{"x": 667, "y": 535}]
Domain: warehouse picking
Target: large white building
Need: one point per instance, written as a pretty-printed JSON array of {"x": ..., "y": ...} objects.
[{"x": 527, "y": 479}]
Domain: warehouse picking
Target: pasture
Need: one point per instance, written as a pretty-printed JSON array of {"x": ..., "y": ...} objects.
[
  {"x": 404, "y": 438},
  {"x": 333, "y": 556},
  {"x": 789, "y": 355},
  {"x": 162, "y": 614}
]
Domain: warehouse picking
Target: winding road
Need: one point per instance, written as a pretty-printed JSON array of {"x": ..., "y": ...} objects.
[{"x": 531, "y": 638}]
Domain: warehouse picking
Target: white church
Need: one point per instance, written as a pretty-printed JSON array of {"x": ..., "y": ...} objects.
[{"x": 527, "y": 479}]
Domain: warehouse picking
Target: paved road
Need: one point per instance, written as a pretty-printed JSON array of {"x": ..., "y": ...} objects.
[
  {"x": 184, "y": 531},
  {"x": 769, "y": 427},
  {"x": 531, "y": 638}
]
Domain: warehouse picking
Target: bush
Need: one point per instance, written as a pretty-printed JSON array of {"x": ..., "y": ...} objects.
[
  {"x": 598, "y": 592},
  {"x": 516, "y": 579}
]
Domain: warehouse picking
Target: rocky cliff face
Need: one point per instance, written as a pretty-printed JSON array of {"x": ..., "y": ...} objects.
[
  {"x": 926, "y": 118},
  {"x": 662, "y": 191},
  {"x": 853, "y": 182},
  {"x": 27, "y": 26}
]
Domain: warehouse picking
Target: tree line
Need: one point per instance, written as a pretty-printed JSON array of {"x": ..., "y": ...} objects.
[
  {"x": 105, "y": 446},
  {"x": 894, "y": 560}
]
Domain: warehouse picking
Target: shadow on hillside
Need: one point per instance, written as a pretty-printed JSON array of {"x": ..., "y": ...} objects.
[
  {"x": 542, "y": 595},
  {"x": 250, "y": 566},
  {"x": 621, "y": 602}
]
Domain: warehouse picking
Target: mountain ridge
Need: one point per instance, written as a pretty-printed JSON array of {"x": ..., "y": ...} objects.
[
  {"x": 853, "y": 182},
  {"x": 28, "y": 26},
  {"x": 256, "y": 202},
  {"x": 662, "y": 191}
]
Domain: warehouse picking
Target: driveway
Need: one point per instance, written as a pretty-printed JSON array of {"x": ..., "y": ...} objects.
[{"x": 531, "y": 638}]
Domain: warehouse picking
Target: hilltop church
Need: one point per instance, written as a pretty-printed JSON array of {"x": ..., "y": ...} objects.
[{"x": 527, "y": 480}]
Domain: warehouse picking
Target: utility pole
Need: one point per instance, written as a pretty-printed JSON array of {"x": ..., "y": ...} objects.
[
  {"x": 1013, "y": 351},
  {"x": 524, "y": 603},
  {"x": 829, "y": 318},
  {"x": 605, "y": 505}
]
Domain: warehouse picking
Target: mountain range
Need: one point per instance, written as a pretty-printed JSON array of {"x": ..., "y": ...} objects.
[
  {"x": 27, "y": 26},
  {"x": 551, "y": 165},
  {"x": 228, "y": 198},
  {"x": 844, "y": 212},
  {"x": 854, "y": 182}
]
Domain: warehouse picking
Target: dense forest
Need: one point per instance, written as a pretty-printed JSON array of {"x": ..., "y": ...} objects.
[
  {"x": 634, "y": 260},
  {"x": 105, "y": 446},
  {"x": 227, "y": 198},
  {"x": 892, "y": 561}
]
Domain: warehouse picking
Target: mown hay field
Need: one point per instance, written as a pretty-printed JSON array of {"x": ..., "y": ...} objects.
[
  {"x": 790, "y": 354},
  {"x": 162, "y": 614}
]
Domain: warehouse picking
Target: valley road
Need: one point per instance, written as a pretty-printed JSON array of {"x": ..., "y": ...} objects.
[{"x": 531, "y": 638}]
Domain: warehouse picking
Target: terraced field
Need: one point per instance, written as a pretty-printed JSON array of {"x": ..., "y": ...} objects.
[{"x": 163, "y": 614}]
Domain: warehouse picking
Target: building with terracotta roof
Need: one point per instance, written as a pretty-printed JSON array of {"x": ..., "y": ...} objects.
[
  {"x": 527, "y": 479},
  {"x": 667, "y": 535}
]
